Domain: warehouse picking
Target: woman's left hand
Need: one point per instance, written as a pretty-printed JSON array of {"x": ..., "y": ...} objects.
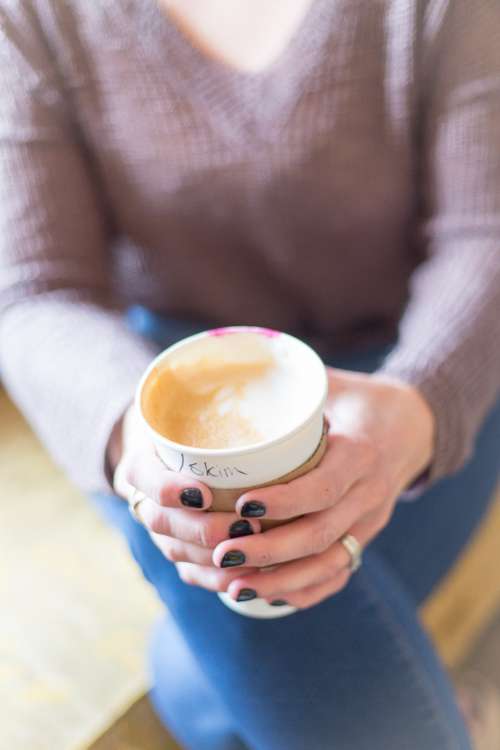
[{"x": 381, "y": 438}]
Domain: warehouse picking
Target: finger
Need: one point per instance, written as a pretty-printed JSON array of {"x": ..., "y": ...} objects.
[
  {"x": 177, "y": 551},
  {"x": 344, "y": 463},
  {"x": 311, "y": 534},
  {"x": 145, "y": 472},
  {"x": 297, "y": 597},
  {"x": 203, "y": 529},
  {"x": 207, "y": 577},
  {"x": 367, "y": 528},
  {"x": 295, "y": 576},
  {"x": 313, "y": 595}
]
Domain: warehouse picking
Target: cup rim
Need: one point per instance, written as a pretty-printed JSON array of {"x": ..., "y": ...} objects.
[{"x": 241, "y": 450}]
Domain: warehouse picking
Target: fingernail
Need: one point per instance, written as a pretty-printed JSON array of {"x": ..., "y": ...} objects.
[
  {"x": 192, "y": 497},
  {"x": 252, "y": 509},
  {"x": 279, "y": 603},
  {"x": 246, "y": 594},
  {"x": 232, "y": 558},
  {"x": 240, "y": 528}
]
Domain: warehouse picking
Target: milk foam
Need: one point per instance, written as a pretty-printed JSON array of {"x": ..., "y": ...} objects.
[{"x": 228, "y": 391}]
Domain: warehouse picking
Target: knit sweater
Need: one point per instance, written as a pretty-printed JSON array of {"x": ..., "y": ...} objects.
[{"x": 348, "y": 193}]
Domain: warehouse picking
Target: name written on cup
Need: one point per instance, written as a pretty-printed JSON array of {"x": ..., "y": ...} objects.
[{"x": 205, "y": 469}]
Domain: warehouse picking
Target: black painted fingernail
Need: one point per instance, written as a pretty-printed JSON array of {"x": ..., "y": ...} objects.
[
  {"x": 252, "y": 509},
  {"x": 240, "y": 528},
  {"x": 192, "y": 497},
  {"x": 232, "y": 558},
  {"x": 279, "y": 603},
  {"x": 246, "y": 594}
]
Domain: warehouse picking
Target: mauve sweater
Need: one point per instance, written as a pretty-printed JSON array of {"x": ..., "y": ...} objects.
[{"x": 349, "y": 192}]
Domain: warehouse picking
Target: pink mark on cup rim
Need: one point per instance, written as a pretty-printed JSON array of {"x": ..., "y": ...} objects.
[{"x": 269, "y": 332}]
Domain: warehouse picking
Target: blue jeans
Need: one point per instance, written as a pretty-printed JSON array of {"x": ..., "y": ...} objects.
[{"x": 355, "y": 672}]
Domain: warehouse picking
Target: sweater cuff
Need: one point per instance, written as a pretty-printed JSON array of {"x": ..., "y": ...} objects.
[
  {"x": 451, "y": 448},
  {"x": 108, "y": 408},
  {"x": 116, "y": 412},
  {"x": 417, "y": 487}
]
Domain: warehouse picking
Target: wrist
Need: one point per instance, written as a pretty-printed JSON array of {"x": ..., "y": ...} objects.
[
  {"x": 115, "y": 446},
  {"x": 421, "y": 422}
]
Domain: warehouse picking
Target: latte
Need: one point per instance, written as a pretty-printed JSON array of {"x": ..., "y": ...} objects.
[{"x": 228, "y": 391}]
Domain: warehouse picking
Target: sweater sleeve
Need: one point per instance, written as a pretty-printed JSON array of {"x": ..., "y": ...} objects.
[
  {"x": 66, "y": 356},
  {"x": 449, "y": 343}
]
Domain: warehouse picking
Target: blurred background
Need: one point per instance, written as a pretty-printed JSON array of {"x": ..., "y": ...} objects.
[
  {"x": 75, "y": 612},
  {"x": 72, "y": 672}
]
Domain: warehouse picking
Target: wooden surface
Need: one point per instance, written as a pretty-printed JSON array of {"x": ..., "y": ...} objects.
[
  {"x": 75, "y": 612},
  {"x": 138, "y": 729},
  {"x": 469, "y": 597},
  {"x": 485, "y": 656}
]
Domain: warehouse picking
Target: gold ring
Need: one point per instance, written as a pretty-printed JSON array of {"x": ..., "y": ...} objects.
[
  {"x": 353, "y": 547},
  {"x": 137, "y": 497}
]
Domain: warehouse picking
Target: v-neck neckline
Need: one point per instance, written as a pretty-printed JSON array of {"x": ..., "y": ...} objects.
[
  {"x": 249, "y": 100},
  {"x": 219, "y": 66}
]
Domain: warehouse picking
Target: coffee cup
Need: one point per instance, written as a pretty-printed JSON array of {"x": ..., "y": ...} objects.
[{"x": 237, "y": 408}]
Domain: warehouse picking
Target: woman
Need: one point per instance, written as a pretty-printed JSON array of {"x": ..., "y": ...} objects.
[{"x": 329, "y": 168}]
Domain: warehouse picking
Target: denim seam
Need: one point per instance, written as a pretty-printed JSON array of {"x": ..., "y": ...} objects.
[{"x": 386, "y": 616}]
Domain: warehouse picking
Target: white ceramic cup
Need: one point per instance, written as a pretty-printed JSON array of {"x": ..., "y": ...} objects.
[{"x": 256, "y": 464}]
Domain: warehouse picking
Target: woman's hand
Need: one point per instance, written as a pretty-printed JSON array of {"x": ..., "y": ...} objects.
[
  {"x": 381, "y": 438},
  {"x": 173, "y": 510}
]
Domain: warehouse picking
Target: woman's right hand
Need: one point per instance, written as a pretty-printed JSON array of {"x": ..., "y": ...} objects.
[{"x": 174, "y": 510}]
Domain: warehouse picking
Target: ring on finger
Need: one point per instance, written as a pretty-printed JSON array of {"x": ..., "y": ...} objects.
[
  {"x": 133, "y": 504},
  {"x": 353, "y": 547}
]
